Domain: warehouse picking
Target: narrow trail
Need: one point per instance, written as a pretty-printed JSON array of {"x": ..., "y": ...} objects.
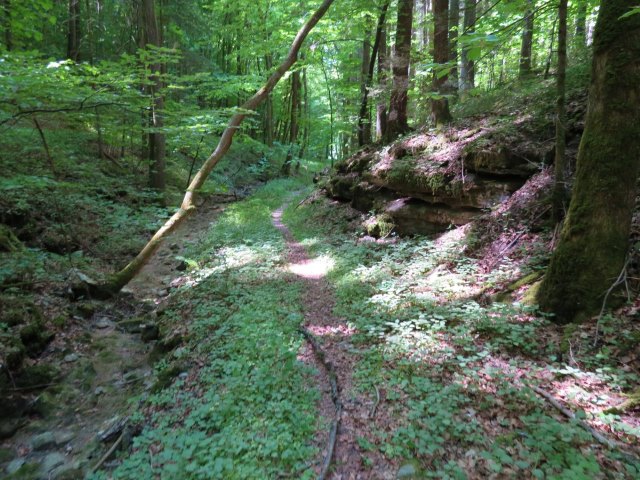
[{"x": 329, "y": 344}]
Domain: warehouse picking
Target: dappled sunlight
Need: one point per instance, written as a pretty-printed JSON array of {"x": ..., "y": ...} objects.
[
  {"x": 335, "y": 330},
  {"x": 314, "y": 268}
]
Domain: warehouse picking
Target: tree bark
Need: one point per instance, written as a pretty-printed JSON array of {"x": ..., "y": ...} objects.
[
  {"x": 397, "y": 122},
  {"x": 467, "y": 66},
  {"x": 152, "y": 35},
  {"x": 73, "y": 31},
  {"x": 440, "y": 113},
  {"x": 383, "y": 73},
  {"x": 364, "y": 123},
  {"x": 560, "y": 165},
  {"x": 8, "y": 39},
  {"x": 527, "y": 41},
  {"x": 454, "y": 23},
  {"x": 120, "y": 279},
  {"x": 595, "y": 237}
]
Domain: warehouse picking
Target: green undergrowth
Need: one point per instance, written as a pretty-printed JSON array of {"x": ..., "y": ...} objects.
[
  {"x": 454, "y": 372},
  {"x": 243, "y": 405}
]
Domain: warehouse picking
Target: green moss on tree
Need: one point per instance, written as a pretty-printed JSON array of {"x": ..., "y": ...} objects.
[{"x": 595, "y": 237}]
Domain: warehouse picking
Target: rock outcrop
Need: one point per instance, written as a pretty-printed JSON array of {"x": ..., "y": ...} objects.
[{"x": 428, "y": 181}]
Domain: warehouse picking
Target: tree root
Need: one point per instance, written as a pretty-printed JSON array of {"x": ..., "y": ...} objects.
[{"x": 335, "y": 397}]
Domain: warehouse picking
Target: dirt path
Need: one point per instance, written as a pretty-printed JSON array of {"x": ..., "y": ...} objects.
[{"x": 351, "y": 411}]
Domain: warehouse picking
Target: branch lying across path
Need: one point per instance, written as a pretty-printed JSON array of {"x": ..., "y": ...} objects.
[
  {"x": 335, "y": 397},
  {"x": 188, "y": 206}
]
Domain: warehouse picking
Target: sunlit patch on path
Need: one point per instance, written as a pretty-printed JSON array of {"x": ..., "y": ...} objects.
[{"x": 343, "y": 407}]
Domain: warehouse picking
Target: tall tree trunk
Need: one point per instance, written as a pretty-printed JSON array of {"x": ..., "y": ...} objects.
[
  {"x": 440, "y": 113},
  {"x": 560, "y": 167},
  {"x": 383, "y": 69},
  {"x": 331, "y": 145},
  {"x": 294, "y": 117},
  {"x": 188, "y": 206},
  {"x": 364, "y": 119},
  {"x": 594, "y": 241},
  {"x": 73, "y": 31},
  {"x": 6, "y": 20},
  {"x": 306, "y": 114},
  {"x": 364, "y": 122},
  {"x": 397, "y": 122},
  {"x": 467, "y": 66},
  {"x": 527, "y": 41},
  {"x": 152, "y": 35},
  {"x": 454, "y": 23}
]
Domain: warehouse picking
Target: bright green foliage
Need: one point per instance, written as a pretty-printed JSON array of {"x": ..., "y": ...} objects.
[{"x": 248, "y": 412}]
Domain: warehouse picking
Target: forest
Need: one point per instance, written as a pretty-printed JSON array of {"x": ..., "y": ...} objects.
[{"x": 319, "y": 239}]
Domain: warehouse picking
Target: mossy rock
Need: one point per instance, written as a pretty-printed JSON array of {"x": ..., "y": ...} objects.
[
  {"x": 37, "y": 375},
  {"x": 35, "y": 338},
  {"x": 132, "y": 325}
]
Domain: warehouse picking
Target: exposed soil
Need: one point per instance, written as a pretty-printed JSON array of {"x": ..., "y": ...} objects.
[{"x": 354, "y": 412}]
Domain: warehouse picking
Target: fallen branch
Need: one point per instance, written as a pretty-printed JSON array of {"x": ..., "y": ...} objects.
[
  {"x": 335, "y": 397},
  {"x": 106, "y": 456},
  {"x": 607, "y": 442}
]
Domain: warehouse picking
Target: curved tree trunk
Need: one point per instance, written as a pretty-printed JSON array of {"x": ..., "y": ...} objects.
[
  {"x": 595, "y": 238},
  {"x": 397, "y": 122},
  {"x": 124, "y": 276}
]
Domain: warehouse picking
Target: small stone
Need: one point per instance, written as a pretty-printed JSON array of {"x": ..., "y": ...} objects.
[
  {"x": 99, "y": 391},
  {"x": 15, "y": 465},
  {"x": 174, "y": 247},
  {"x": 52, "y": 461},
  {"x": 72, "y": 357},
  {"x": 43, "y": 441},
  {"x": 183, "y": 376},
  {"x": 409, "y": 471},
  {"x": 62, "y": 438},
  {"x": 103, "y": 323}
]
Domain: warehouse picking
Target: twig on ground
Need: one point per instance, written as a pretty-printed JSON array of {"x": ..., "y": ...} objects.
[
  {"x": 622, "y": 278},
  {"x": 372, "y": 413},
  {"x": 335, "y": 397},
  {"x": 607, "y": 442},
  {"x": 109, "y": 453}
]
